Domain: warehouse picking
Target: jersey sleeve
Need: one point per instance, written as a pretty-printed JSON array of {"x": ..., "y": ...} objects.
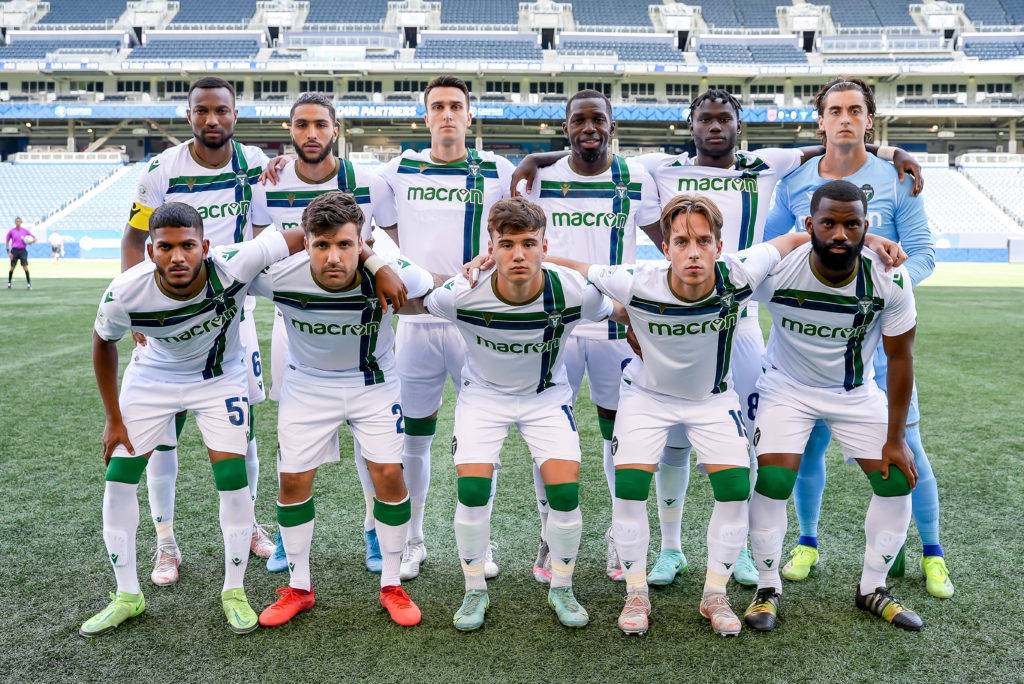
[
  {"x": 112, "y": 321},
  {"x": 382, "y": 195},
  {"x": 650, "y": 204},
  {"x": 754, "y": 264},
  {"x": 417, "y": 280},
  {"x": 596, "y": 306},
  {"x": 914, "y": 235},
  {"x": 149, "y": 194},
  {"x": 364, "y": 177},
  {"x": 243, "y": 261},
  {"x": 651, "y": 160},
  {"x": 263, "y": 284},
  {"x": 780, "y": 217},
  {"x": 441, "y": 302},
  {"x": 260, "y": 214},
  {"x": 614, "y": 281},
  {"x": 785, "y": 160},
  {"x": 900, "y": 312},
  {"x": 257, "y": 157},
  {"x": 505, "y": 171}
]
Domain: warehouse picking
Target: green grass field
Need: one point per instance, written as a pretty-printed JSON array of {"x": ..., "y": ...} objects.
[{"x": 55, "y": 573}]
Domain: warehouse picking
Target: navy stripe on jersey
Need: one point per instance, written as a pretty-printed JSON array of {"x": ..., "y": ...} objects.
[{"x": 372, "y": 313}]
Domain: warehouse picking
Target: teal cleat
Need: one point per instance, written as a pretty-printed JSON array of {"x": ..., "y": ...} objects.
[
  {"x": 278, "y": 561},
  {"x": 744, "y": 571},
  {"x": 570, "y": 613},
  {"x": 374, "y": 562},
  {"x": 470, "y": 615},
  {"x": 669, "y": 564},
  {"x": 123, "y": 606}
]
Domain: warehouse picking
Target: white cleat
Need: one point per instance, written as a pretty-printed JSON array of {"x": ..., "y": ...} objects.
[
  {"x": 490, "y": 565},
  {"x": 716, "y": 607},
  {"x": 612, "y": 566},
  {"x": 167, "y": 558},
  {"x": 413, "y": 555},
  {"x": 262, "y": 544},
  {"x": 635, "y": 614}
]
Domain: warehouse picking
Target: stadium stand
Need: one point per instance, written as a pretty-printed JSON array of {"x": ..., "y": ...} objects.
[
  {"x": 34, "y": 191},
  {"x": 92, "y": 13},
  {"x": 485, "y": 14},
  {"x": 994, "y": 49},
  {"x": 719, "y": 13},
  {"x": 1003, "y": 185},
  {"x": 758, "y": 13},
  {"x": 219, "y": 12},
  {"x": 39, "y": 49},
  {"x": 222, "y": 48},
  {"x": 511, "y": 50},
  {"x": 103, "y": 214},
  {"x": 853, "y": 13},
  {"x": 944, "y": 200},
  {"x": 985, "y": 12},
  {"x": 725, "y": 53},
  {"x": 350, "y": 11},
  {"x": 631, "y": 13},
  {"x": 775, "y": 53},
  {"x": 285, "y": 55},
  {"x": 625, "y": 50},
  {"x": 893, "y": 12}
]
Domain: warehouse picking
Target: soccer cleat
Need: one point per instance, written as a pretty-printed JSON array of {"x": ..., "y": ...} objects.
[
  {"x": 570, "y": 613},
  {"x": 799, "y": 565},
  {"x": 490, "y": 565},
  {"x": 278, "y": 561},
  {"x": 763, "y": 612},
  {"x": 634, "y": 616},
  {"x": 262, "y": 544},
  {"x": 470, "y": 615},
  {"x": 413, "y": 555},
  {"x": 669, "y": 564},
  {"x": 28, "y": 287},
  {"x": 937, "y": 576},
  {"x": 744, "y": 571},
  {"x": 716, "y": 607},
  {"x": 241, "y": 618},
  {"x": 899, "y": 566},
  {"x": 612, "y": 567},
  {"x": 401, "y": 608},
  {"x": 8, "y": 286},
  {"x": 290, "y": 602},
  {"x": 374, "y": 562},
  {"x": 122, "y": 606},
  {"x": 542, "y": 566},
  {"x": 881, "y": 603},
  {"x": 167, "y": 558}
]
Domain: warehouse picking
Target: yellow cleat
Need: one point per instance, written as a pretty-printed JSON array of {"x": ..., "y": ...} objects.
[
  {"x": 937, "y": 576},
  {"x": 802, "y": 559}
]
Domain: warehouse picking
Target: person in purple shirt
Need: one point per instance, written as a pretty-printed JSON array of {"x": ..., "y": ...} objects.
[{"x": 17, "y": 248}]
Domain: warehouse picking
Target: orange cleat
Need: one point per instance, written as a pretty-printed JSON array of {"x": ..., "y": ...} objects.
[
  {"x": 403, "y": 611},
  {"x": 290, "y": 603}
]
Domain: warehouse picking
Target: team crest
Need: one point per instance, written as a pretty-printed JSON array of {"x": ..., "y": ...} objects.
[
  {"x": 864, "y": 305},
  {"x": 424, "y": 166},
  {"x": 474, "y": 167},
  {"x": 727, "y": 297},
  {"x": 621, "y": 189},
  {"x": 868, "y": 191},
  {"x": 372, "y": 303},
  {"x": 554, "y": 319},
  {"x": 291, "y": 198},
  {"x": 565, "y": 189},
  {"x": 218, "y": 298},
  {"x": 191, "y": 183},
  {"x": 240, "y": 179}
]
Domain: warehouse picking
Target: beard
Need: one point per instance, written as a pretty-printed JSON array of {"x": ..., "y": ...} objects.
[
  {"x": 183, "y": 286},
  {"x": 592, "y": 156},
  {"x": 217, "y": 144},
  {"x": 837, "y": 261},
  {"x": 315, "y": 159}
]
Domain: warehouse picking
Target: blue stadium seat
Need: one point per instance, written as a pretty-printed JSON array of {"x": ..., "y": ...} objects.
[
  {"x": 219, "y": 12},
  {"x": 34, "y": 191},
  {"x": 631, "y": 13},
  {"x": 725, "y": 53},
  {"x": 719, "y": 13},
  {"x": 485, "y": 14},
  {"x": 986, "y": 12},
  {"x": 626, "y": 51},
  {"x": 853, "y": 13},
  {"x": 776, "y": 53},
  {"x": 514, "y": 50},
  {"x": 39, "y": 49},
  {"x": 348, "y": 11},
  {"x": 224, "y": 48},
  {"x": 79, "y": 12},
  {"x": 994, "y": 49},
  {"x": 893, "y": 12},
  {"x": 104, "y": 211}
]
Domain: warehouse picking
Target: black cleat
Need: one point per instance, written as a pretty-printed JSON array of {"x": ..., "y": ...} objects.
[
  {"x": 881, "y": 603},
  {"x": 763, "y": 612}
]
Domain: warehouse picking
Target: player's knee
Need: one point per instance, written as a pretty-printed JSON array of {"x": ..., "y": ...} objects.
[
  {"x": 896, "y": 484},
  {"x": 563, "y": 497},
  {"x": 420, "y": 426},
  {"x": 126, "y": 469},
  {"x": 474, "y": 491},
  {"x": 632, "y": 484},
  {"x": 229, "y": 474},
  {"x": 775, "y": 482},
  {"x": 731, "y": 484},
  {"x": 388, "y": 482}
]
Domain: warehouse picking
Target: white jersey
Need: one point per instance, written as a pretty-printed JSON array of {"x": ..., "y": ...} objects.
[
  {"x": 825, "y": 336},
  {"x": 341, "y": 337},
  {"x": 595, "y": 218},
  {"x": 687, "y": 346},
  {"x": 223, "y": 195},
  {"x": 283, "y": 204},
  {"x": 188, "y": 339},
  {"x": 515, "y": 349}
]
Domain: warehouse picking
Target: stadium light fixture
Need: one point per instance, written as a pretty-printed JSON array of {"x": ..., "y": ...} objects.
[
  {"x": 935, "y": 128},
  {"x": 413, "y": 126},
  {"x": 543, "y": 125},
  {"x": 28, "y": 124},
  {"x": 284, "y": 125},
  {"x": 671, "y": 127}
]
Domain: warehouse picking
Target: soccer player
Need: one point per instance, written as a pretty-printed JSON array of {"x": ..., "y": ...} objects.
[
  {"x": 16, "y": 244},
  {"x": 56, "y": 245},
  {"x": 188, "y": 302},
  {"x": 515, "y": 326},
  {"x": 831, "y": 302},
  {"x": 434, "y": 204},
  {"x": 214, "y": 174},
  {"x": 340, "y": 369},
  {"x": 846, "y": 109},
  {"x": 317, "y": 170}
]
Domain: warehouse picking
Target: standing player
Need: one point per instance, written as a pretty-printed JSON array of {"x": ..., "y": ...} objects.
[
  {"x": 56, "y": 245},
  {"x": 215, "y": 175},
  {"x": 188, "y": 302},
  {"x": 434, "y": 204},
  {"x": 831, "y": 302},
  {"x": 846, "y": 109},
  {"x": 340, "y": 369},
  {"x": 515, "y": 326},
  {"x": 16, "y": 243}
]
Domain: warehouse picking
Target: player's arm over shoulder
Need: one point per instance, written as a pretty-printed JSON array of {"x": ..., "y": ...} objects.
[
  {"x": 440, "y": 302},
  {"x": 243, "y": 261},
  {"x": 418, "y": 281}
]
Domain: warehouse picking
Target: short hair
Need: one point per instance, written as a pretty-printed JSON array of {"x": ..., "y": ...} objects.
[
  {"x": 314, "y": 99},
  {"x": 691, "y": 204},
  {"x": 588, "y": 94},
  {"x": 839, "y": 84},
  {"x": 175, "y": 215},
  {"x": 210, "y": 82},
  {"x": 446, "y": 81},
  {"x": 714, "y": 95},
  {"x": 514, "y": 215},
  {"x": 330, "y": 211},
  {"x": 839, "y": 191}
]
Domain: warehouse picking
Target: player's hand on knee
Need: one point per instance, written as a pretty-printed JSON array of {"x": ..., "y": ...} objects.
[
  {"x": 898, "y": 454},
  {"x": 390, "y": 286},
  {"x": 471, "y": 270},
  {"x": 115, "y": 433},
  {"x": 634, "y": 343}
]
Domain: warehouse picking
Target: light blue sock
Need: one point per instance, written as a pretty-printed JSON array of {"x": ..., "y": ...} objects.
[
  {"x": 925, "y": 497},
  {"x": 810, "y": 484}
]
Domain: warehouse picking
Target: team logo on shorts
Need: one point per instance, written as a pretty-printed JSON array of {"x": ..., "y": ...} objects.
[
  {"x": 455, "y": 444},
  {"x": 555, "y": 319},
  {"x": 757, "y": 435},
  {"x": 864, "y": 305},
  {"x": 727, "y": 297},
  {"x": 474, "y": 167},
  {"x": 621, "y": 190},
  {"x": 868, "y": 191},
  {"x": 615, "y": 445}
]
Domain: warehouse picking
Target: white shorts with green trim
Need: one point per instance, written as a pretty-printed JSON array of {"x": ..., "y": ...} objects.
[
  {"x": 425, "y": 355},
  {"x": 278, "y": 355},
  {"x": 603, "y": 361}
]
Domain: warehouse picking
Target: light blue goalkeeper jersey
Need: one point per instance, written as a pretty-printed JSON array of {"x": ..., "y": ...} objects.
[{"x": 892, "y": 212}]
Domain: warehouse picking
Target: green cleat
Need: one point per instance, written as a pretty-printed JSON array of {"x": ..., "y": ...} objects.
[
  {"x": 899, "y": 566},
  {"x": 470, "y": 615},
  {"x": 122, "y": 606},
  {"x": 763, "y": 612},
  {"x": 241, "y": 618},
  {"x": 937, "y": 576},
  {"x": 570, "y": 613},
  {"x": 669, "y": 564},
  {"x": 744, "y": 572},
  {"x": 802, "y": 559},
  {"x": 881, "y": 603}
]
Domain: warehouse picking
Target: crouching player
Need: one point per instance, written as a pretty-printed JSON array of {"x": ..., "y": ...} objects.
[
  {"x": 187, "y": 301},
  {"x": 831, "y": 302},
  {"x": 515, "y": 323},
  {"x": 341, "y": 367}
]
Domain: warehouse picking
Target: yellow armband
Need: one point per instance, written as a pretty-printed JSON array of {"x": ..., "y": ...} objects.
[{"x": 139, "y": 217}]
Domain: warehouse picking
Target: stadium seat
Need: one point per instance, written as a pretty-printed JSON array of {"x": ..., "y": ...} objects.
[
  {"x": 34, "y": 191},
  {"x": 349, "y": 11},
  {"x": 473, "y": 12},
  {"x": 86, "y": 13},
  {"x": 631, "y": 13},
  {"x": 220, "y": 12},
  {"x": 624, "y": 50},
  {"x": 40, "y": 49},
  {"x": 224, "y": 48},
  {"x": 945, "y": 198},
  {"x": 513, "y": 50},
  {"x": 725, "y": 53},
  {"x": 986, "y": 12},
  {"x": 1003, "y": 185},
  {"x": 104, "y": 211}
]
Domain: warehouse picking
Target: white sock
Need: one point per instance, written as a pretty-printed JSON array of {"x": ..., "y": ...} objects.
[
  {"x": 609, "y": 466},
  {"x": 392, "y": 542},
  {"x": 632, "y": 535},
  {"x": 236, "y": 521},
  {"x": 161, "y": 475},
  {"x": 120, "y": 522},
  {"x": 472, "y": 533},
  {"x": 565, "y": 528},
  {"x": 366, "y": 482},
  {"x": 297, "y": 541},
  {"x": 885, "y": 529},
  {"x": 727, "y": 533},
  {"x": 768, "y": 524},
  {"x": 670, "y": 482},
  {"x": 252, "y": 468},
  {"x": 416, "y": 464},
  {"x": 542, "y": 501}
]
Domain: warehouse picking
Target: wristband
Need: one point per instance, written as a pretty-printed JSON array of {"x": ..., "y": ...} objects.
[
  {"x": 374, "y": 263},
  {"x": 886, "y": 153}
]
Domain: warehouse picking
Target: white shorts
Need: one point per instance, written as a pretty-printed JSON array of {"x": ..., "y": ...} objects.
[
  {"x": 546, "y": 422},
  {"x": 309, "y": 416},
  {"x": 220, "y": 405},
  {"x": 425, "y": 355},
  {"x": 713, "y": 426},
  {"x": 247, "y": 331},
  {"x": 603, "y": 361},
  {"x": 745, "y": 364},
  {"x": 787, "y": 411},
  {"x": 278, "y": 354}
]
